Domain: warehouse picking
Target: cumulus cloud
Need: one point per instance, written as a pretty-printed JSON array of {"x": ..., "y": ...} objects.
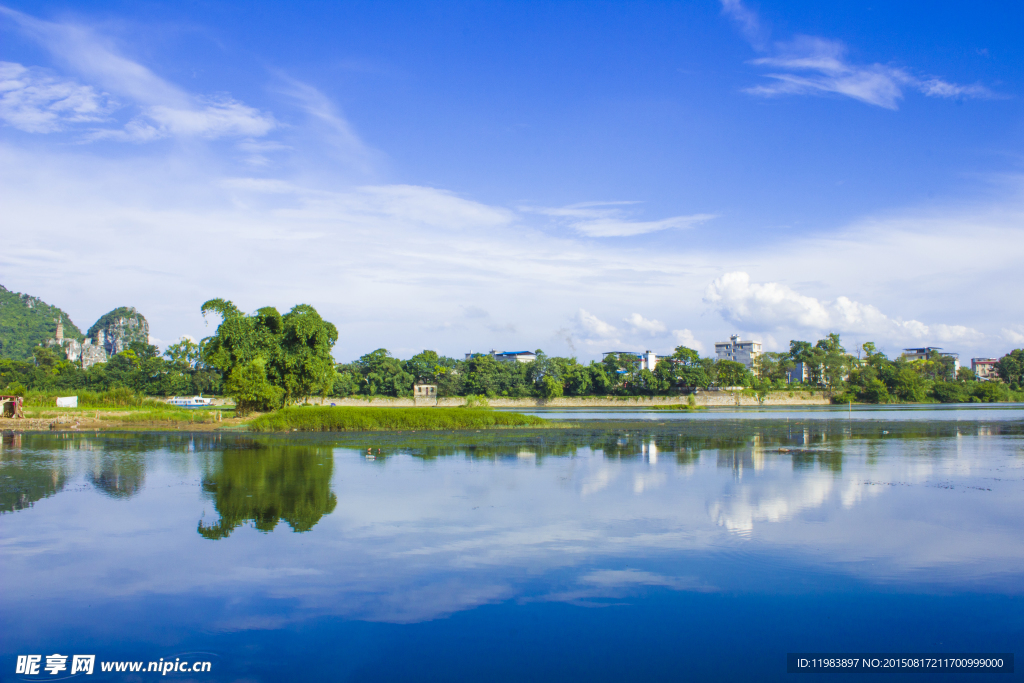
[
  {"x": 34, "y": 101},
  {"x": 642, "y": 324},
  {"x": 771, "y": 305},
  {"x": 1014, "y": 336},
  {"x": 685, "y": 338},
  {"x": 809, "y": 65},
  {"x": 594, "y": 326},
  {"x": 608, "y": 219}
]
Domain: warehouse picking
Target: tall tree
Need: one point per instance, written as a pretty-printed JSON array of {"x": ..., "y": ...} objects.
[
  {"x": 1011, "y": 368},
  {"x": 289, "y": 353}
]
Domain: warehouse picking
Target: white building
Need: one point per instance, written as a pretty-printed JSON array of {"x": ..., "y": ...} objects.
[
  {"x": 735, "y": 349},
  {"x": 923, "y": 353},
  {"x": 648, "y": 359},
  {"x": 508, "y": 356}
]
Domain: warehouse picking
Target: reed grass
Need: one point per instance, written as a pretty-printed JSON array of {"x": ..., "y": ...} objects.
[{"x": 120, "y": 398}]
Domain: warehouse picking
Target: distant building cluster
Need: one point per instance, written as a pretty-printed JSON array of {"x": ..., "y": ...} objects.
[
  {"x": 506, "y": 356},
  {"x": 924, "y": 352},
  {"x": 747, "y": 353}
]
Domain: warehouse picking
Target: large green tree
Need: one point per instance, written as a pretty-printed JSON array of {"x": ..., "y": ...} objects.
[
  {"x": 1011, "y": 368},
  {"x": 271, "y": 359},
  {"x": 729, "y": 373}
]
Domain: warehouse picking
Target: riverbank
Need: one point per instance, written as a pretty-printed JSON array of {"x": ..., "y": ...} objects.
[
  {"x": 91, "y": 419},
  {"x": 707, "y": 399}
]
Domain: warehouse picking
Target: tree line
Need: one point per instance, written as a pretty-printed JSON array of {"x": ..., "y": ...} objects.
[{"x": 266, "y": 360}]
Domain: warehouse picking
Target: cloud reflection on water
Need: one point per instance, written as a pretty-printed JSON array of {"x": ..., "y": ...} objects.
[{"x": 409, "y": 538}]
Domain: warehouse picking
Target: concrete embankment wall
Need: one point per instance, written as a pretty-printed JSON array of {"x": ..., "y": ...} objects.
[{"x": 701, "y": 398}]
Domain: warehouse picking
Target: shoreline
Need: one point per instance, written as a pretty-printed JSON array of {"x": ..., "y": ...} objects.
[{"x": 92, "y": 420}]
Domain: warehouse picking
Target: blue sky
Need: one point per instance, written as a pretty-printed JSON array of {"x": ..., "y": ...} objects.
[{"x": 578, "y": 177}]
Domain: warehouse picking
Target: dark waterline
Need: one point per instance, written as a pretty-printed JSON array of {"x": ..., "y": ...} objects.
[
  {"x": 970, "y": 412},
  {"x": 618, "y": 550}
]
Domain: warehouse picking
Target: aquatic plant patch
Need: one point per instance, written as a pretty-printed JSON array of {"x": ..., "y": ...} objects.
[{"x": 351, "y": 419}]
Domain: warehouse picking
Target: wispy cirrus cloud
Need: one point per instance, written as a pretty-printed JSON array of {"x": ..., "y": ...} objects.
[
  {"x": 811, "y": 65},
  {"x": 610, "y": 219},
  {"x": 161, "y": 108},
  {"x": 35, "y": 101},
  {"x": 334, "y": 129},
  {"x": 747, "y": 21}
]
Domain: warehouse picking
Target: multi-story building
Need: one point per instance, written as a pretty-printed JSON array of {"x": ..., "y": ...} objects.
[
  {"x": 735, "y": 349},
  {"x": 508, "y": 356},
  {"x": 922, "y": 353},
  {"x": 648, "y": 359},
  {"x": 985, "y": 368},
  {"x": 800, "y": 372}
]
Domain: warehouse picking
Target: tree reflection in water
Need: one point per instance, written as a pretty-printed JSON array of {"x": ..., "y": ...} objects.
[
  {"x": 267, "y": 482},
  {"x": 26, "y": 477},
  {"x": 120, "y": 474}
]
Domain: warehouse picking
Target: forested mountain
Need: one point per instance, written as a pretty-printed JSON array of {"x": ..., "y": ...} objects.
[{"x": 27, "y": 321}]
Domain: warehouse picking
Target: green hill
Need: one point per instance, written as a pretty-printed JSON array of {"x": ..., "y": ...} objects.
[
  {"x": 120, "y": 328},
  {"x": 27, "y": 321}
]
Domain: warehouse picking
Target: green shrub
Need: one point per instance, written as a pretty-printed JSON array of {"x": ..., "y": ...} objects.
[
  {"x": 949, "y": 392},
  {"x": 252, "y": 391},
  {"x": 991, "y": 392},
  {"x": 477, "y": 402}
]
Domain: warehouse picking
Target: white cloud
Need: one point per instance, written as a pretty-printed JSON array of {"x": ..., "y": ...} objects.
[
  {"x": 217, "y": 118},
  {"x": 810, "y": 65},
  {"x": 771, "y": 305},
  {"x": 642, "y": 324},
  {"x": 334, "y": 130},
  {"x": 746, "y": 20},
  {"x": 607, "y": 219},
  {"x": 594, "y": 326},
  {"x": 1014, "y": 336},
  {"x": 220, "y": 118},
  {"x": 390, "y": 263},
  {"x": 37, "y": 102},
  {"x": 611, "y": 227},
  {"x": 685, "y": 338},
  {"x": 165, "y": 109},
  {"x": 764, "y": 305}
]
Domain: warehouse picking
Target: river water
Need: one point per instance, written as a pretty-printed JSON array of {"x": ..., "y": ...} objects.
[{"x": 644, "y": 548}]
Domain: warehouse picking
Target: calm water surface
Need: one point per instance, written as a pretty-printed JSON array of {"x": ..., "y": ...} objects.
[{"x": 700, "y": 549}]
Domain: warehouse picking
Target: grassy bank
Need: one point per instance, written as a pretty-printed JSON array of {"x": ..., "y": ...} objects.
[
  {"x": 115, "y": 399},
  {"x": 324, "y": 419}
]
